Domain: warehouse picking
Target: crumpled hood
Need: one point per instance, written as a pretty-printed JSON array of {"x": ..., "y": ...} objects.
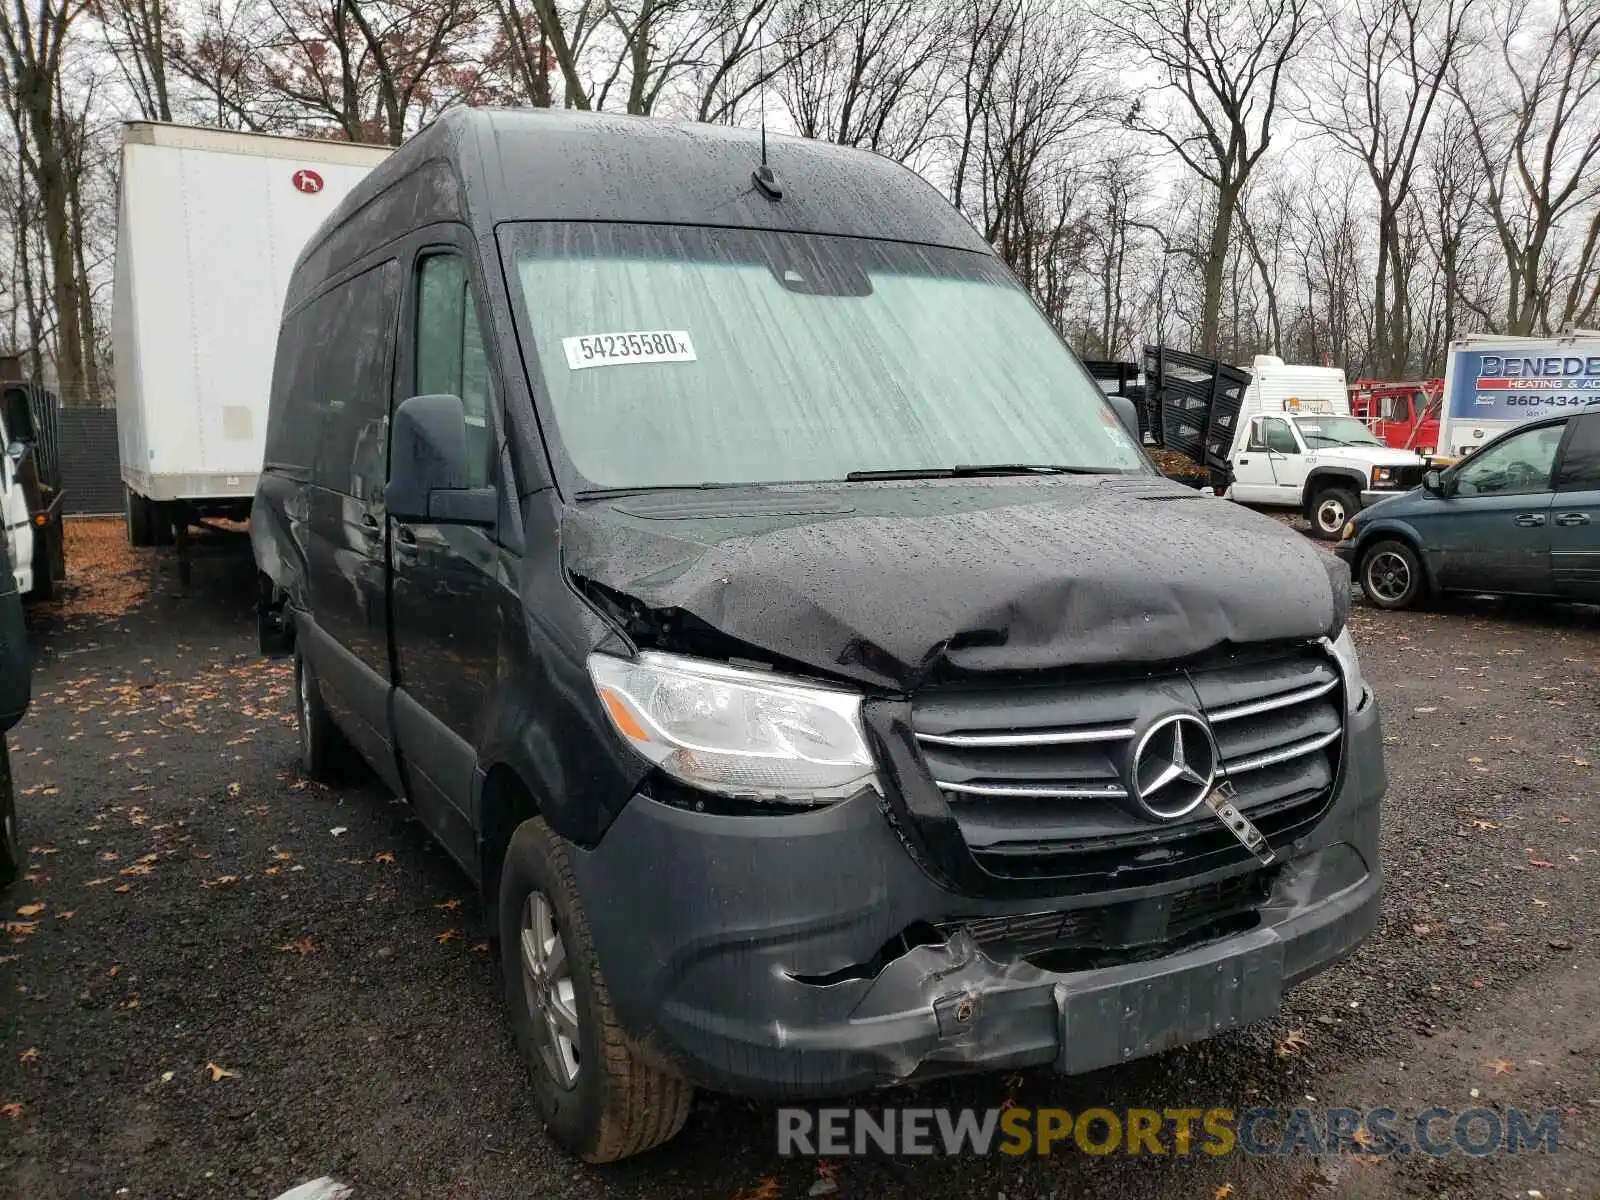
[{"x": 884, "y": 584}]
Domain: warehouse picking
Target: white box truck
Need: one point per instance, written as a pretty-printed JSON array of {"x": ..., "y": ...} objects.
[
  {"x": 1494, "y": 381},
  {"x": 209, "y": 226}
]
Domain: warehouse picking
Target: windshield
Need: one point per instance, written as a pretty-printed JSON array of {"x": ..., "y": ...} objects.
[
  {"x": 676, "y": 356},
  {"x": 1335, "y": 431}
]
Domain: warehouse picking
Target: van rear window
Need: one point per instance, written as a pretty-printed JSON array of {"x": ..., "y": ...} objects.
[{"x": 673, "y": 355}]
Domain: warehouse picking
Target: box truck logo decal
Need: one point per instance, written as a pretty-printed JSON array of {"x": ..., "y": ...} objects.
[
  {"x": 308, "y": 181},
  {"x": 1499, "y": 386}
]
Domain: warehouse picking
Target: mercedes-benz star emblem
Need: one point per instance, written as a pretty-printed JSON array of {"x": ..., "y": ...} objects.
[{"x": 1173, "y": 767}]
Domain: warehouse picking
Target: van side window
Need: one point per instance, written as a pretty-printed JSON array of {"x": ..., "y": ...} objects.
[
  {"x": 450, "y": 354},
  {"x": 348, "y": 334},
  {"x": 1580, "y": 468}
]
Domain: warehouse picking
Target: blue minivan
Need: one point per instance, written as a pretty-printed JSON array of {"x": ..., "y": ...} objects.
[{"x": 1521, "y": 516}]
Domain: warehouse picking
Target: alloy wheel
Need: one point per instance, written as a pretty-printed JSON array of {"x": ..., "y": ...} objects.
[
  {"x": 1389, "y": 576},
  {"x": 548, "y": 986}
]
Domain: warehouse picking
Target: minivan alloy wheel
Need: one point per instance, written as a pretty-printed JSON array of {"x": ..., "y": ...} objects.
[
  {"x": 548, "y": 985},
  {"x": 1388, "y": 576}
]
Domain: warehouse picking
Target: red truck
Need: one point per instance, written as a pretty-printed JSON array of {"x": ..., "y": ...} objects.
[{"x": 1403, "y": 415}]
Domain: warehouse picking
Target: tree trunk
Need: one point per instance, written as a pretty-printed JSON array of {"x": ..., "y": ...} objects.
[{"x": 1216, "y": 269}]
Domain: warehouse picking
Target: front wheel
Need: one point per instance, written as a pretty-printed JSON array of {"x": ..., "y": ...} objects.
[
  {"x": 10, "y": 848},
  {"x": 597, "y": 1096},
  {"x": 1329, "y": 509},
  {"x": 325, "y": 755},
  {"x": 1391, "y": 575}
]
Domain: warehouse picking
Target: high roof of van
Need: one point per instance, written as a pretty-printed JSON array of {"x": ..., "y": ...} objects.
[{"x": 558, "y": 165}]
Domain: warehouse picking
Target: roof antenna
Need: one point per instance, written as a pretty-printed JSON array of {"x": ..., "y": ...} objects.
[{"x": 765, "y": 178}]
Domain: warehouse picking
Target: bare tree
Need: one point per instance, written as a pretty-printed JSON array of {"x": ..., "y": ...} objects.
[
  {"x": 1387, "y": 66},
  {"x": 1224, "y": 60},
  {"x": 139, "y": 33},
  {"x": 374, "y": 66},
  {"x": 877, "y": 80},
  {"x": 32, "y": 47},
  {"x": 1534, "y": 122}
]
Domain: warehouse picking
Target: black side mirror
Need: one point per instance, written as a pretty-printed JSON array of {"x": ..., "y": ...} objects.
[
  {"x": 1433, "y": 481},
  {"x": 430, "y": 472},
  {"x": 1127, "y": 414}
]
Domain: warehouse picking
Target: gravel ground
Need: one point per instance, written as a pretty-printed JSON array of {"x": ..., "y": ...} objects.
[{"x": 219, "y": 980}]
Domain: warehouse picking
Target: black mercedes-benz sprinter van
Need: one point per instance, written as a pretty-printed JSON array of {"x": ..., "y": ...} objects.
[{"x": 759, "y": 601}]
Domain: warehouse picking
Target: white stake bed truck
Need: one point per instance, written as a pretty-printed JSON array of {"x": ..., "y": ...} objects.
[{"x": 209, "y": 227}]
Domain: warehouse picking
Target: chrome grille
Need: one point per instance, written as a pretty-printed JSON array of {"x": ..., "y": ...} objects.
[{"x": 1033, "y": 774}]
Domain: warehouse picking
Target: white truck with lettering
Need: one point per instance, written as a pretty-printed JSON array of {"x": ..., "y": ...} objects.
[
  {"x": 1493, "y": 382},
  {"x": 1297, "y": 446}
]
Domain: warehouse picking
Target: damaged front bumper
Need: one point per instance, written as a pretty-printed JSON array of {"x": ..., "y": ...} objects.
[{"x": 808, "y": 955}]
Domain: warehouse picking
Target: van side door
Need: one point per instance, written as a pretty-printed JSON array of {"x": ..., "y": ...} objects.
[
  {"x": 1575, "y": 514},
  {"x": 1493, "y": 534},
  {"x": 445, "y": 598},
  {"x": 348, "y": 343}
]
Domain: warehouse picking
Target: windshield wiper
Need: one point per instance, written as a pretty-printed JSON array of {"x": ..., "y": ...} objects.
[
  {"x": 607, "y": 493},
  {"x": 969, "y": 471}
]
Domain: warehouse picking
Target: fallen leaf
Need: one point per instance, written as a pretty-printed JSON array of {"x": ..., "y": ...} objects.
[
  {"x": 765, "y": 1189},
  {"x": 449, "y": 905},
  {"x": 166, "y": 1076},
  {"x": 31, "y": 1054},
  {"x": 233, "y": 789},
  {"x": 1224, "y": 1190},
  {"x": 448, "y": 935},
  {"x": 12, "y": 1110},
  {"x": 218, "y": 1074},
  {"x": 1581, "y": 762},
  {"x": 480, "y": 947},
  {"x": 826, "y": 1169},
  {"x": 68, "y": 915},
  {"x": 383, "y": 857},
  {"x": 98, "y": 882},
  {"x": 1293, "y": 1044},
  {"x": 305, "y": 945},
  {"x": 339, "y": 830},
  {"x": 1499, "y": 1066},
  {"x": 1539, "y": 862},
  {"x": 30, "y": 910},
  {"x": 1541, "y": 903},
  {"x": 219, "y": 881},
  {"x": 1483, "y": 825},
  {"x": 1422, "y": 930},
  {"x": 123, "y": 888}
]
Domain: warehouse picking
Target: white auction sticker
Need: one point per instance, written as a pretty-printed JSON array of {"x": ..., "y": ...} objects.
[{"x": 614, "y": 349}]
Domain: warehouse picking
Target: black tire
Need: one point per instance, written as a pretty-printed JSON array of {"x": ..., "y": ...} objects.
[
  {"x": 1330, "y": 507},
  {"x": 137, "y": 511},
  {"x": 325, "y": 754},
  {"x": 10, "y": 847},
  {"x": 618, "y": 1105},
  {"x": 1391, "y": 575}
]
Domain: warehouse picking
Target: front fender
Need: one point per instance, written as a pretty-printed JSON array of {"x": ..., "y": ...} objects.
[
  {"x": 1399, "y": 529},
  {"x": 1323, "y": 475}
]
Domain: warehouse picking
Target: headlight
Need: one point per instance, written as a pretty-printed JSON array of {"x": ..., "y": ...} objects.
[
  {"x": 737, "y": 732},
  {"x": 1355, "y": 687},
  {"x": 1382, "y": 477},
  {"x": 1348, "y": 532}
]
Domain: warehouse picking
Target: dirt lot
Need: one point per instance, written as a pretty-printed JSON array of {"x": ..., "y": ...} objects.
[{"x": 218, "y": 980}]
